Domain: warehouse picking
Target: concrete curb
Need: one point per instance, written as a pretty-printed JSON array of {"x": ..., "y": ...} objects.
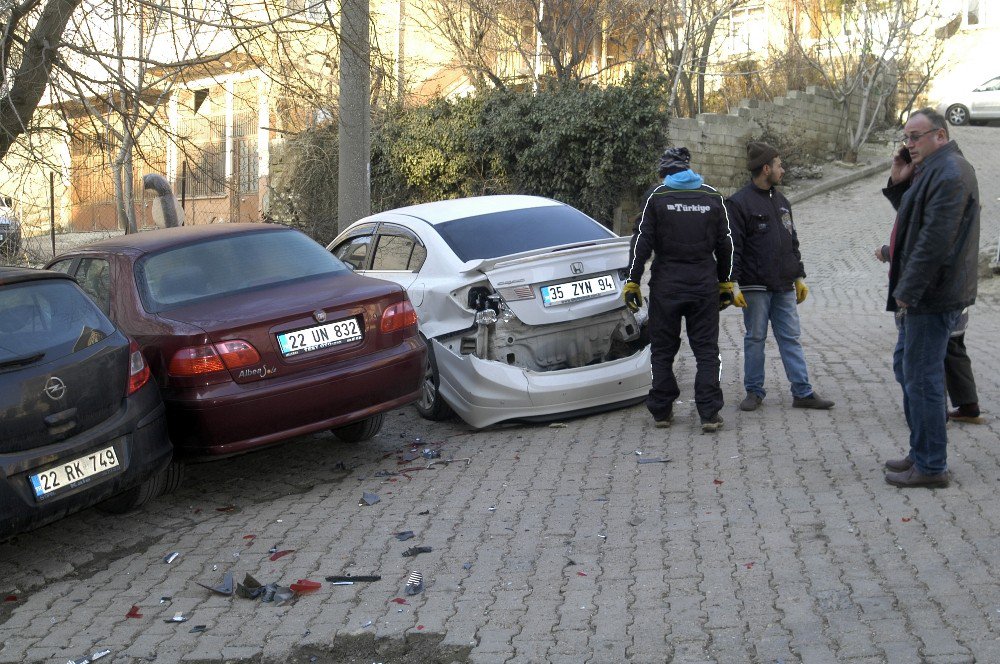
[{"x": 839, "y": 181}]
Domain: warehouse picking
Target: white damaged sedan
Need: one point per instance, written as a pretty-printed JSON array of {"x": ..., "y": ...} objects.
[{"x": 519, "y": 302}]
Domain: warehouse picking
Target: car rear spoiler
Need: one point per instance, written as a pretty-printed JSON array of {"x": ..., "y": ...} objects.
[{"x": 487, "y": 264}]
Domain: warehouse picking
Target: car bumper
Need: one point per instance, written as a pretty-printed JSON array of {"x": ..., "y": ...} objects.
[
  {"x": 139, "y": 436},
  {"x": 231, "y": 418},
  {"x": 484, "y": 392}
]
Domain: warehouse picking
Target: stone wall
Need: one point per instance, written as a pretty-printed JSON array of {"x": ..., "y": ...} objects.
[{"x": 809, "y": 120}]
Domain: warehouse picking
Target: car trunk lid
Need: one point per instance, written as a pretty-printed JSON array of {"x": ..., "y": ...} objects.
[
  {"x": 559, "y": 284},
  {"x": 332, "y": 318}
]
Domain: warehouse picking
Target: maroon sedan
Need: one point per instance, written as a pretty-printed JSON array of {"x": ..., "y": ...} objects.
[{"x": 255, "y": 333}]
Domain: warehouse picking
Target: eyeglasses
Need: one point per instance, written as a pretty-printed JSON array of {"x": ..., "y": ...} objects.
[{"x": 913, "y": 138}]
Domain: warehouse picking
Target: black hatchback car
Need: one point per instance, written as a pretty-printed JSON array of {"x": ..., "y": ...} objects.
[{"x": 80, "y": 420}]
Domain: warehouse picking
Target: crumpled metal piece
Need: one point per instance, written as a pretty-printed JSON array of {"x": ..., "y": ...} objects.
[
  {"x": 404, "y": 535},
  {"x": 98, "y": 654},
  {"x": 171, "y": 557},
  {"x": 224, "y": 588},
  {"x": 368, "y": 499},
  {"x": 416, "y": 551},
  {"x": 177, "y": 618},
  {"x": 251, "y": 588}
]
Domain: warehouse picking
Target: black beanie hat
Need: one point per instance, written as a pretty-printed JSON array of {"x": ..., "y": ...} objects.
[
  {"x": 674, "y": 160},
  {"x": 759, "y": 154}
]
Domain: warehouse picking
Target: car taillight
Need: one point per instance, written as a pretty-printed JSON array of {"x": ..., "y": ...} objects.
[
  {"x": 213, "y": 358},
  {"x": 138, "y": 370},
  {"x": 398, "y": 316}
]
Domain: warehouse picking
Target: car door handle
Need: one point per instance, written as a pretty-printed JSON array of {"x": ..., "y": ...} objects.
[{"x": 60, "y": 418}]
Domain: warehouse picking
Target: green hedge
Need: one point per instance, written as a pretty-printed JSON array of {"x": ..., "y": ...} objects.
[{"x": 591, "y": 147}]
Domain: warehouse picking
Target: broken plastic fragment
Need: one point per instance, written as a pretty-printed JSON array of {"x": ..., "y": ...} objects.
[
  {"x": 416, "y": 551},
  {"x": 399, "y": 600},
  {"x": 366, "y": 579},
  {"x": 280, "y": 554},
  {"x": 716, "y": 482},
  {"x": 177, "y": 618},
  {"x": 198, "y": 628},
  {"x": 224, "y": 588},
  {"x": 652, "y": 460},
  {"x": 414, "y": 583},
  {"x": 227, "y": 508},
  {"x": 133, "y": 612},
  {"x": 420, "y": 626},
  {"x": 165, "y": 599},
  {"x": 404, "y": 535},
  {"x": 368, "y": 499},
  {"x": 428, "y": 453},
  {"x": 100, "y": 654},
  {"x": 171, "y": 557},
  {"x": 306, "y": 586},
  {"x": 467, "y": 566},
  {"x": 251, "y": 588},
  {"x": 10, "y": 598},
  {"x": 367, "y": 624},
  {"x": 581, "y": 574},
  {"x": 424, "y": 513},
  {"x": 250, "y": 537}
]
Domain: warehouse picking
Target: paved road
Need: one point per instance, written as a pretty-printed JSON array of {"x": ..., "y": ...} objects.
[{"x": 775, "y": 540}]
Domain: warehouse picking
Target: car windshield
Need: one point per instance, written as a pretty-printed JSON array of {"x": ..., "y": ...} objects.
[
  {"x": 203, "y": 270},
  {"x": 514, "y": 231},
  {"x": 47, "y": 319}
]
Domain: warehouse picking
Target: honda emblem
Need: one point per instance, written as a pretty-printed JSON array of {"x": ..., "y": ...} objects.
[{"x": 577, "y": 268}]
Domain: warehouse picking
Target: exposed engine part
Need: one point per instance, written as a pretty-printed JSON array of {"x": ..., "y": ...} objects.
[{"x": 577, "y": 343}]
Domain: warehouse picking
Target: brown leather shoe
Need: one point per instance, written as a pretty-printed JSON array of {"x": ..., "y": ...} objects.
[
  {"x": 899, "y": 465},
  {"x": 913, "y": 478},
  {"x": 969, "y": 414}
]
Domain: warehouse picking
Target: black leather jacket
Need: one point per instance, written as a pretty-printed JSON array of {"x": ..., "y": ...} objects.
[
  {"x": 687, "y": 232},
  {"x": 767, "y": 247},
  {"x": 935, "y": 255}
]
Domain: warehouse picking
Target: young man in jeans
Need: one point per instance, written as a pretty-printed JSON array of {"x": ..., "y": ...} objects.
[{"x": 767, "y": 267}]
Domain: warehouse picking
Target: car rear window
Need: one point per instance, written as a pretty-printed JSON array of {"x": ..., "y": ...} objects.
[
  {"x": 514, "y": 231},
  {"x": 50, "y": 318},
  {"x": 202, "y": 270}
]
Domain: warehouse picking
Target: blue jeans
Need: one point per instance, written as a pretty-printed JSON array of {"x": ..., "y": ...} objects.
[
  {"x": 918, "y": 362},
  {"x": 778, "y": 308}
]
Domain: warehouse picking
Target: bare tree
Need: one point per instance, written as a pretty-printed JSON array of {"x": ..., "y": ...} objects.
[{"x": 860, "y": 49}]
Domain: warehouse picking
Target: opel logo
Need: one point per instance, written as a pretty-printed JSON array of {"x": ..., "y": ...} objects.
[
  {"x": 320, "y": 316},
  {"x": 577, "y": 268},
  {"x": 55, "y": 389}
]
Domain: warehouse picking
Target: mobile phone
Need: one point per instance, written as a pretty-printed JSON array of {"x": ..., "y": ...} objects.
[{"x": 904, "y": 154}]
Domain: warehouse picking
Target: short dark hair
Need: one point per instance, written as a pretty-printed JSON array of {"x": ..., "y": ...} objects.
[{"x": 936, "y": 119}]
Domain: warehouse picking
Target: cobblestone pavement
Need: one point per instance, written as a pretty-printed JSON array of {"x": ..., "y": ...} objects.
[{"x": 775, "y": 540}]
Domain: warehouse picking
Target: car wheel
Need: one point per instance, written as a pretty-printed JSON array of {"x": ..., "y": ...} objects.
[
  {"x": 360, "y": 431},
  {"x": 957, "y": 115},
  {"x": 430, "y": 405},
  {"x": 132, "y": 498}
]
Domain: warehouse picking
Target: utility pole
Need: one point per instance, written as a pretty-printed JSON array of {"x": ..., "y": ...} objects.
[{"x": 354, "y": 130}]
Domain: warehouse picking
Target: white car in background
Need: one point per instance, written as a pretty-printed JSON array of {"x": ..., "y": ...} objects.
[
  {"x": 519, "y": 302},
  {"x": 976, "y": 106}
]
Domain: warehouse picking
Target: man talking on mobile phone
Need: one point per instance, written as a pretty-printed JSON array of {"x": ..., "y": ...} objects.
[{"x": 933, "y": 262}]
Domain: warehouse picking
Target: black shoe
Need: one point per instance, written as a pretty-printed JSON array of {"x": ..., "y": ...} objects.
[
  {"x": 751, "y": 402},
  {"x": 711, "y": 424},
  {"x": 968, "y": 413},
  {"x": 899, "y": 465},
  {"x": 811, "y": 401},
  {"x": 664, "y": 423}
]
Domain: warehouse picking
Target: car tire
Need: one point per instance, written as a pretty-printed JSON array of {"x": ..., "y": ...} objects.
[
  {"x": 957, "y": 115},
  {"x": 133, "y": 498},
  {"x": 171, "y": 478},
  {"x": 431, "y": 405},
  {"x": 361, "y": 431}
]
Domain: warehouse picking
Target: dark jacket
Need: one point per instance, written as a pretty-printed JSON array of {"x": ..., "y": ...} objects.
[
  {"x": 934, "y": 262},
  {"x": 687, "y": 232},
  {"x": 767, "y": 247}
]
